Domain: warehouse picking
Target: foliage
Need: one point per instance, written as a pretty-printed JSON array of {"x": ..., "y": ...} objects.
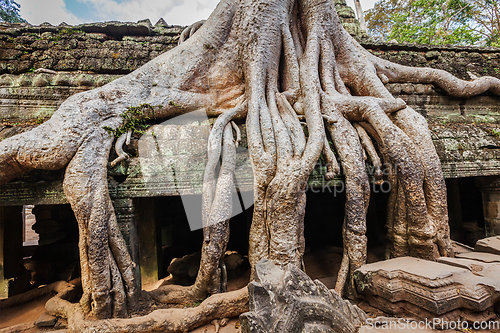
[
  {"x": 495, "y": 132},
  {"x": 487, "y": 19},
  {"x": 436, "y": 22},
  {"x": 134, "y": 119},
  {"x": 9, "y": 12},
  {"x": 380, "y": 18}
]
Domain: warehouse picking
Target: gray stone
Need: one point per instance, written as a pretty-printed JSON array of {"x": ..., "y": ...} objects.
[
  {"x": 488, "y": 245},
  {"x": 480, "y": 256},
  {"x": 289, "y": 301},
  {"x": 452, "y": 288},
  {"x": 161, "y": 23},
  {"x": 185, "y": 269},
  {"x": 46, "y": 320}
]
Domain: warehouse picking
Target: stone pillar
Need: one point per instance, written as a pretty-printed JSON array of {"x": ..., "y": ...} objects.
[
  {"x": 490, "y": 191},
  {"x": 126, "y": 218},
  {"x": 14, "y": 278},
  {"x": 149, "y": 239}
]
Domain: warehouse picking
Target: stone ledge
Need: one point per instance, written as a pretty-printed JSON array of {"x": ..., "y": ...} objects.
[
  {"x": 466, "y": 287},
  {"x": 373, "y": 45}
]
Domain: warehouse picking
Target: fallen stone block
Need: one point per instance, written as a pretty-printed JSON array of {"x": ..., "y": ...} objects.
[
  {"x": 488, "y": 245},
  {"x": 450, "y": 289},
  {"x": 289, "y": 301},
  {"x": 46, "y": 320}
]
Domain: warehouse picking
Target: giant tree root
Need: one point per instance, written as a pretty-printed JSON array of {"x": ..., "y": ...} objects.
[
  {"x": 55, "y": 287},
  {"x": 268, "y": 61},
  {"x": 216, "y": 210},
  {"x": 218, "y": 306}
]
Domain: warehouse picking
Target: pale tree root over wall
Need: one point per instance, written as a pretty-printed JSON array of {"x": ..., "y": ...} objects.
[{"x": 273, "y": 63}]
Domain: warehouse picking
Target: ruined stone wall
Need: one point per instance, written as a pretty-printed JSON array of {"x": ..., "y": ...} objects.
[
  {"x": 119, "y": 48},
  {"x": 101, "y": 48},
  {"x": 466, "y": 132},
  {"x": 91, "y": 55},
  {"x": 463, "y": 62}
]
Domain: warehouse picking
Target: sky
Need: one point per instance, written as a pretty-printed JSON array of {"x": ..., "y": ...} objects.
[{"x": 177, "y": 12}]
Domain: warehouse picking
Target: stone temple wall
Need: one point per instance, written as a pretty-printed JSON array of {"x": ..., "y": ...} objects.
[
  {"x": 466, "y": 132},
  {"x": 101, "y": 48}
]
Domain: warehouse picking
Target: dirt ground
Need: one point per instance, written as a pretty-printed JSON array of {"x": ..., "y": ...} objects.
[
  {"x": 21, "y": 318},
  {"x": 320, "y": 264}
]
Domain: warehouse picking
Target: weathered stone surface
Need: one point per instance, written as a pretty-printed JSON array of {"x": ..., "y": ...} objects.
[
  {"x": 458, "y": 60},
  {"x": 488, "y": 245},
  {"x": 486, "y": 273},
  {"x": 349, "y": 21},
  {"x": 452, "y": 288},
  {"x": 109, "y": 47},
  {"x": 46, "y": 320},
  {"x": 480, "y": 256},
  {"x": 14, "y": 278},
  {"x": 289, "y": 301},
  {"x": 88, "y": 56}
]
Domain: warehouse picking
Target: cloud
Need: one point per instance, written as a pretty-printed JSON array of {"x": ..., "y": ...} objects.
[
  {"x": 53, "y": 11},
  {"x": 182, "y": 12}
]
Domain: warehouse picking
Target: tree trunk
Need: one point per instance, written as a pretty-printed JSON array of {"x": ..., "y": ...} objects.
[
  {"x": 275, "y": 63},
  {"x": 360, "y": 14}
]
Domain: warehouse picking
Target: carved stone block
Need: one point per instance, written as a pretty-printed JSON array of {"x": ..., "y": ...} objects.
[
  {"x": 289, "y": 301},
  {"x": 451, "y": 288}
]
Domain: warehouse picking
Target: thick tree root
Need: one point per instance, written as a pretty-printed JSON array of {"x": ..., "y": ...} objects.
[
  {"x": 268, "y": 60},
  {"x": 105, "y": 262},
  {"x": 217, "y": 206},
  {"x": 218, "y": 306},
  {"x": 55, "y": 287}
]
